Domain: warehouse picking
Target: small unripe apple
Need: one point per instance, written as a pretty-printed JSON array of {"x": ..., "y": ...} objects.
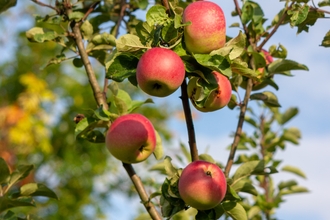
[
  {"x": 160, "y": 72},
  {"x": 131, "y": 138},
  {"x": 207, "y": 30},
  {"x": 202, "y": 185},
  {"x": 217, "y": 99}
]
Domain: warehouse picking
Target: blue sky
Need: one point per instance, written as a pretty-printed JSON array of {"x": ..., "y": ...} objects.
[{"x": 309, "y": 91}]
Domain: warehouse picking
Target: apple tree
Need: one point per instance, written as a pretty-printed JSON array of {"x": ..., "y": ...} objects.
[{"x": 211, "y": 69}]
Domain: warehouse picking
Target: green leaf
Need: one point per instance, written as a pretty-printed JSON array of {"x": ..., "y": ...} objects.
[
  {"x": 251, "y": 11},
  {"x": 205, "y": 215},
  {"x": 37, "y": 189},
  {"x": 234, "y": 210},
  {"x": 324, "y": 3},
  {"x": 6, "y": 4},
  {"x": 156, "y": 15},
  {"x": 312, "y": 17},
  {"x": 20, "y": 173},
  {"x": 232, "y": 102},
  {"x": 207, "y": 157},
  {"x": 214, "y": 62},
  {"x": 326, "y": 40},
  {"x": 298, "y": 14},
  {"x": 241, "y": 68},
  {"x": 85, "y": 130},
  {"x": 4, "y": 171},
  {"x": 267, "y": 97},
  {"x": 136, "y": 104},
  {"x": 287, "y": 184},
  {"x": 282, "y": 65},
  {"x": 294, "y": 170},
  {"x": 86, "y": 30},
  {"x": 159, "y": 152},
  {"x": 8, "y": 203},
  {"x": 104, "y": 38},
  {"x": 293, "y": 190},
  {"x": 103, "y": 114},
  {"x": 279, "y": 52},
  {"x": 253, "y": 211},
  {"x": 122, "y": 66},
  {"x": 38, "y": 35},
  {"x": 291, "y": 134},
  {"x": 288, "y": 115},
  {"x": 129, "y": 43},
  {"x": 245, "y": 186},
  {"x": 76, "y": 15},
  {"x": 247, "y": 169}
]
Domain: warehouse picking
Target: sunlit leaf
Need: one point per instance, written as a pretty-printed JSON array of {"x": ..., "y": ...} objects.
[
  {"x": 282, "y": 65},
  {"x": 288, "y": 115},
  {"x": 159, "y": 151},
  {"x": 267, "y": 97},
  {"x": 287, "y": 184},
  {"x": 234, "y": 210},
  {"x": 326, "y": 40},
  {"x": 294, "y": 170}
]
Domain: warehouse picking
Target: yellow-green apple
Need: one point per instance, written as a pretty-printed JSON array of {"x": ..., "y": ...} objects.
[
  {"x": 131, "y": 138},
  {"x": 160, "y": 72},
  {"x": 207, "y": 30},
  {"x": 202, "y": 185},
  {"x": 217, "y": 99}
]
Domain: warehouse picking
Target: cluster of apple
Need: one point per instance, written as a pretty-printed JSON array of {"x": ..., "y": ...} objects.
[
  {"x": 132, "y": 138},
  {"x": 160, "y": 71}
]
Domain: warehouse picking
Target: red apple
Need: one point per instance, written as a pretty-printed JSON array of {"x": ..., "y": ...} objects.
[
  {"x": 207, "y": 30},
  {"x": 202, "y": 185},
  {"x": 160, "y": 72},
  {"x": 131, "y": 138},
  {"x": 217, "y": 98}
]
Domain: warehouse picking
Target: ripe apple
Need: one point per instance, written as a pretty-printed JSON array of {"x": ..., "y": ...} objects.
[
  {"x": 160, "y": 72},
  {"x": 207, "y": 30},
  {"x": 131, "y": 138},
  {"x": 202, "y": 185},
  {"x": 217, "y": 98}
]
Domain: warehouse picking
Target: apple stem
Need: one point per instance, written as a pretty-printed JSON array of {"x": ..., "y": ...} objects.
[
  {"x": 189, "y": 122},
  {"x": 141, "y": 191},
  {"x": 239, "y": 128}
]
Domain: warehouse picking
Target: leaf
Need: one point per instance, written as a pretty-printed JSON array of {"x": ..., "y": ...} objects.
[
  {"x": 86, "y": 30},
  {"x": 158, "y": 152},
  {"x": 122, "y": 66},
  {"x": 293, "y": 190},
  {"x": 156, "y": 15},
  {"x": 298, "y": 14},
  {"x": 324, "y": 3},
  {"x": 241, "y": 68},
  {"x": 232, "y": 102},
  {"x": 104, "y": 38},
  {"x": 312, "y": 17},
  {"x": 37, "y": 189},
  {"x": 291, "y": 134},
  {"x": 8, "y": 203},
  {"x": 294, "y": 170},
  {"x": 267, "y": 97},
  {"x": 279, "y": 52},
  {"x": 288, "y": 115},
  {"x": 214, "y": 62},
  {"x": 102, "y": 114},
  {"x": 247, "y": 169},
  {"x": 4, "y": 171},
  {"x": 282, "y": 65},
  {"x": 136, "y": 104},
  {"x": 129, "y": 43},
  {"x": 245, "y": 186},
  {"x": 254, "y": 210},
  {"x": 234, "y": 210},
  {"x": 20, "y": 173},
  {"x": 76, "y": 15},
  {"x": 326, "y": 40},
  {"x": 6, "y": 4},
  {"x": 287, "y": 184},
  {"x": 169, "y": 168}
]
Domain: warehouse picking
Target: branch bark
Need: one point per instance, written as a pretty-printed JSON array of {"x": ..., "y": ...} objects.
[{"x": 189, "y": 122}]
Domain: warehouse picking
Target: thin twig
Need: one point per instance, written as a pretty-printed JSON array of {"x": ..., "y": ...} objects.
[
  {"x": 189, "y": 122},
  {"x": 46, "y": 5},
  {"x": 90, "y": 10},
  {"x": 123, "y": 7},
  {"x": 239, "y": 128}
]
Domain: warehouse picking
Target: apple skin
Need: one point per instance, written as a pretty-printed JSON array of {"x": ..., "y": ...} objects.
[
  {"x": 160, "y": 72},
  {"x": 202, "y": 185},
  {"x": 207, "y": 30},
  {"x": 131, "y": 138},
  {"x": 218, "y": 98}
]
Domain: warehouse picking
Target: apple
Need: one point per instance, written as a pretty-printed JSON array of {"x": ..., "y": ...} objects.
[
  {"x": 202, "y": 185},
  {"x": 131, "y": 138},
  {"x": 217, "y": 99},
  {"x": 207, "y": 30},
  {"x": 160, "y": 72}
]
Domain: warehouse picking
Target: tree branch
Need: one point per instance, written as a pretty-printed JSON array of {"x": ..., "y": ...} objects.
[
  {"x": 142, "y": 193},
  {"x": 239, "y": 128},
  {"x": 189, "y": 122},
  {"x": 101, "y": 100}
]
